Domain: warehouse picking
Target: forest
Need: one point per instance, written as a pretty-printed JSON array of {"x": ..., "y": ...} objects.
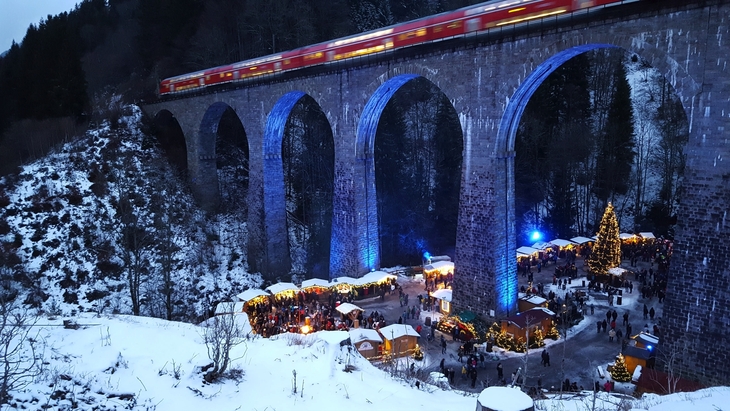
[{"x": 603, "y": 128}]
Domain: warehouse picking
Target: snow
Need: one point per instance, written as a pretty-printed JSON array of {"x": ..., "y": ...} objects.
[
  {"x": 526, "y": 250},
  {"x": 250, "y": 294},
  {"x": 625, "y": 236},
  {"x": 617, "y": 271},
  {"x": 364, "y": 334},
  {"x": 281, "y": 287},
  {"x": 505, "y": 399},
  {"x": 229, "y": 307},
  {"x": 442, "y": 294},
  {"x": 346, "y": 308},
  {"x": 315, "y": 282},
  {"x": 561, "y": 243},
  {"x": 394, "y": 331},
  {"x": 581, "y": 240},
  {"x": 440, "y": 266},
  {"x": 647, "y": 235}
]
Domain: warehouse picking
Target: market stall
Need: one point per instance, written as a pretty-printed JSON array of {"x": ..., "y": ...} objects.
[
  {"x": 316, "y": 286},
  {"x": 367, "y": 342},
  {"x": 400, "y": 339},
  {"x": 283, "y": 290},
  {"x": 349, "y": 310},
  {"x": 444, "y": 296},
  {"x": 528, "y": 322}
]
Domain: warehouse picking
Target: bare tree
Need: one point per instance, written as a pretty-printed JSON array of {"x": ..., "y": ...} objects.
[
  {"x": 221, "y": 334},
  {"x": 20, "y": 357}
]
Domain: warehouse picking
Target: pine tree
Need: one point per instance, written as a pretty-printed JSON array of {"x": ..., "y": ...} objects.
[
  {"x": 607, "y": 251},
  {"x": 619, "y": 372}
]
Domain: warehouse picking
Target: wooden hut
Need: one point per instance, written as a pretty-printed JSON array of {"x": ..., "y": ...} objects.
[
  {"x": 399, "y": 339},
  {"x": 528, "y": 302},
  {"x": 526, "y": 323},
  {"x": 444, "y": 297},
  {"x": 367, "y": 342}
]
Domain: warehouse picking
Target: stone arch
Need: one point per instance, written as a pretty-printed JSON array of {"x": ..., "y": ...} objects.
[
  {"x": 172, "y": 139},
  {"x": 275, "y": 208},
  {"x": 368, "y": 242},
  {"x": 681, "y": 80}
]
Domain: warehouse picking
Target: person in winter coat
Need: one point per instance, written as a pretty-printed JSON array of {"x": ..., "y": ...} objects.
[{"x": 611, "y": 335}]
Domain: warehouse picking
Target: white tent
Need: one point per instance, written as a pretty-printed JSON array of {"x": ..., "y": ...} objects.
[
  {"x": 561, "y": 243},
  {"x": 282, "y": 287},
  {"x": 364, "y": 334},
  {"x": 345, "y": 280},
  {"x": 375, "y": 277},
  {"x": 625, "y": 236},
  {"x": 442, "y": 294},
  {"x": 229, "y": 307},
  {"x": 581, "y": 240},
  {"x": 526, "y": 250},
  {"x": 440, "y": 266},
  {"x": 250, "y": 294},
  {"x": 647, "y": 235},
  {"x": 346, "y": 308},
  {"x": 541, "y": 245},
  {"x": 316, "y": 282}
]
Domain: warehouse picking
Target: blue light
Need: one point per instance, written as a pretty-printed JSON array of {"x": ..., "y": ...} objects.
[
  {"x": 426, "y": 255},
  {"x": 649, "y": 347},
  {"x": 536, "y": 235}
]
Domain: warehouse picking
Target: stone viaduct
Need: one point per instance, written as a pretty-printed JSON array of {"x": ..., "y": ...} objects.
[{"x": 489, "y": 80}]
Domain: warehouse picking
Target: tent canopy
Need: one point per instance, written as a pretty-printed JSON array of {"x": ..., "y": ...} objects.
[
  {"x": 315, "y": 282},
  {"x": 251, "y": 293},
  {"x": 442, "y": 294},
  {"x": 541, "y": 245},
  {"x": 345, "y": 280},
  {"x": 281, "y": 287},
  {"x": 526, "y": 250},
  {"x": 561, "y": 243},
  {"x": 346, "y": 308},
  {"x": 440, "y": 266},
  {"x": 374, "y": 277},
  {"x": 581, "y": 240},
  {"x": 647, "y": 235},
  {"x": 625, "y": 236}
]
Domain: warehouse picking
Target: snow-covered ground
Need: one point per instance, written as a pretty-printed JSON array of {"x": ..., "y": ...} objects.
[{"x": 124, "y": 362}]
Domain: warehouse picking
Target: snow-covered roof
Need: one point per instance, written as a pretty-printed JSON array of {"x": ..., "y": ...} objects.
[
  {"x": 617, "y": 271},
  {"x": 561, "y": 243},
  {"x": 346, "y": 308},
  {"x": 345, "y": 280},
  {"x": 581, "y": 240},
  {"x": 625, "y": 236},
  {"x": 647, "y": 338},
  {"x": 281, "y": 287},
  {"x": 440, "y": 266},
  {"x": 541, "y": 245},
  {"x": 250, "y": 294},
  {"x": 534, "y": 299},
  {"x": 394, "y": 331},
  {"x": 505, "y": 399},
  {"x": 229, "y": 307},
  {"x": 374, "y": 277},
  {"x": 526, "y": 250},
  {"x": 364, "y": 334},
  {"x": 315, "y": 282},
  {"x": 647, "y": 235},
  {"x": 442, "y": 294}
]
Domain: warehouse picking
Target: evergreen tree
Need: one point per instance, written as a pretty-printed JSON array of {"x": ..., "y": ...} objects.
[
  {"x": 619, "y": 372},
  {"x": 607, "y": 251}
]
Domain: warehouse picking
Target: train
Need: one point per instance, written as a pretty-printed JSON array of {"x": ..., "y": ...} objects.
[{"x": 461, "y": 22}]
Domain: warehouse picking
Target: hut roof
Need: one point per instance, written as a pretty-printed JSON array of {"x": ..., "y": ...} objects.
[
  {"x": 364, "y": 334},
  {"x": 526, "y": 250},
  {"x": 581, "y": 240},
  {"x": 394, "y": 331},
  {"x": 534, "y": 315},
  {"x": 442, "y": 294},
  {"x": 561, "y": 243},
  {"x": 250, "y": 294},
  {"x": 229, "y": 307},
  {"x": 281, "y": 287}
]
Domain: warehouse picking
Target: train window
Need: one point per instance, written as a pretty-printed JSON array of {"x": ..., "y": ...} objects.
[
  {"x": 313, "y": 56},
  {"x": 473, "y": 24},
  {"x": 438, "y": 29}
]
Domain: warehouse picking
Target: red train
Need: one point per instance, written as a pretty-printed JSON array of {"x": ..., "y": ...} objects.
[{"x": 442, "y": 26}]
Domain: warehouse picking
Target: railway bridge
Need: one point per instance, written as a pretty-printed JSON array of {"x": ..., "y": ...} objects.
[{"x": 488, "y": 79}]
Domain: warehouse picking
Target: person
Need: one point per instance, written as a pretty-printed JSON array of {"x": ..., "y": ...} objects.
[
  {"x": 611, "y": 335},
  {"x": 607, "y": 386},
  {"x": 543, "y": 361},
  {"x": 443, "y": 345},
  {"x": 592, "y": 309},
  {"x": 473, "y": 375},
  {"x": 500, "y": 372},
  {"x": 547, "y": 358},
  {"x": 626, "y": 318},
  {"x": 441, "y": 366},
  {"x": 452, "y": 373},
  {"x": 651, "y": 313},
  {"x": 646, "y": 311},
  {"x": 598, "y": 326}
]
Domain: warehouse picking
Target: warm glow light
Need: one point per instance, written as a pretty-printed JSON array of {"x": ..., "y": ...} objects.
[
  {"x": 306, "y": 329},
  {"x": 538, "y": 16},
  {"x": 516, "y": 10}
]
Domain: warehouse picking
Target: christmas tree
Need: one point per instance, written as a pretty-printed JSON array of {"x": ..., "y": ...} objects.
[
  {"x": 619, "y": 372},
  {"x": 607, "y": 251}
]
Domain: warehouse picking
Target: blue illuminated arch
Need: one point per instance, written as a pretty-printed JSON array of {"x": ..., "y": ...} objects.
[{"x": 506, "y": 293}]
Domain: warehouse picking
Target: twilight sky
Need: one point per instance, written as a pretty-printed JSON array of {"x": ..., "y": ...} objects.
[{"x": 17, "y": 15}]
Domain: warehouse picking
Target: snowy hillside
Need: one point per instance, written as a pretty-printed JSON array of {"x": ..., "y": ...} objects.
[
  {"x": 77, "y": 226},
  {"x": 124, "y": 362}
]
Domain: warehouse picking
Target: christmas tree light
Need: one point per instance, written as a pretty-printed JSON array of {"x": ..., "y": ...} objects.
[
  {"x": 619, "y": 372},
  {"x": 606, "y": 252}
]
